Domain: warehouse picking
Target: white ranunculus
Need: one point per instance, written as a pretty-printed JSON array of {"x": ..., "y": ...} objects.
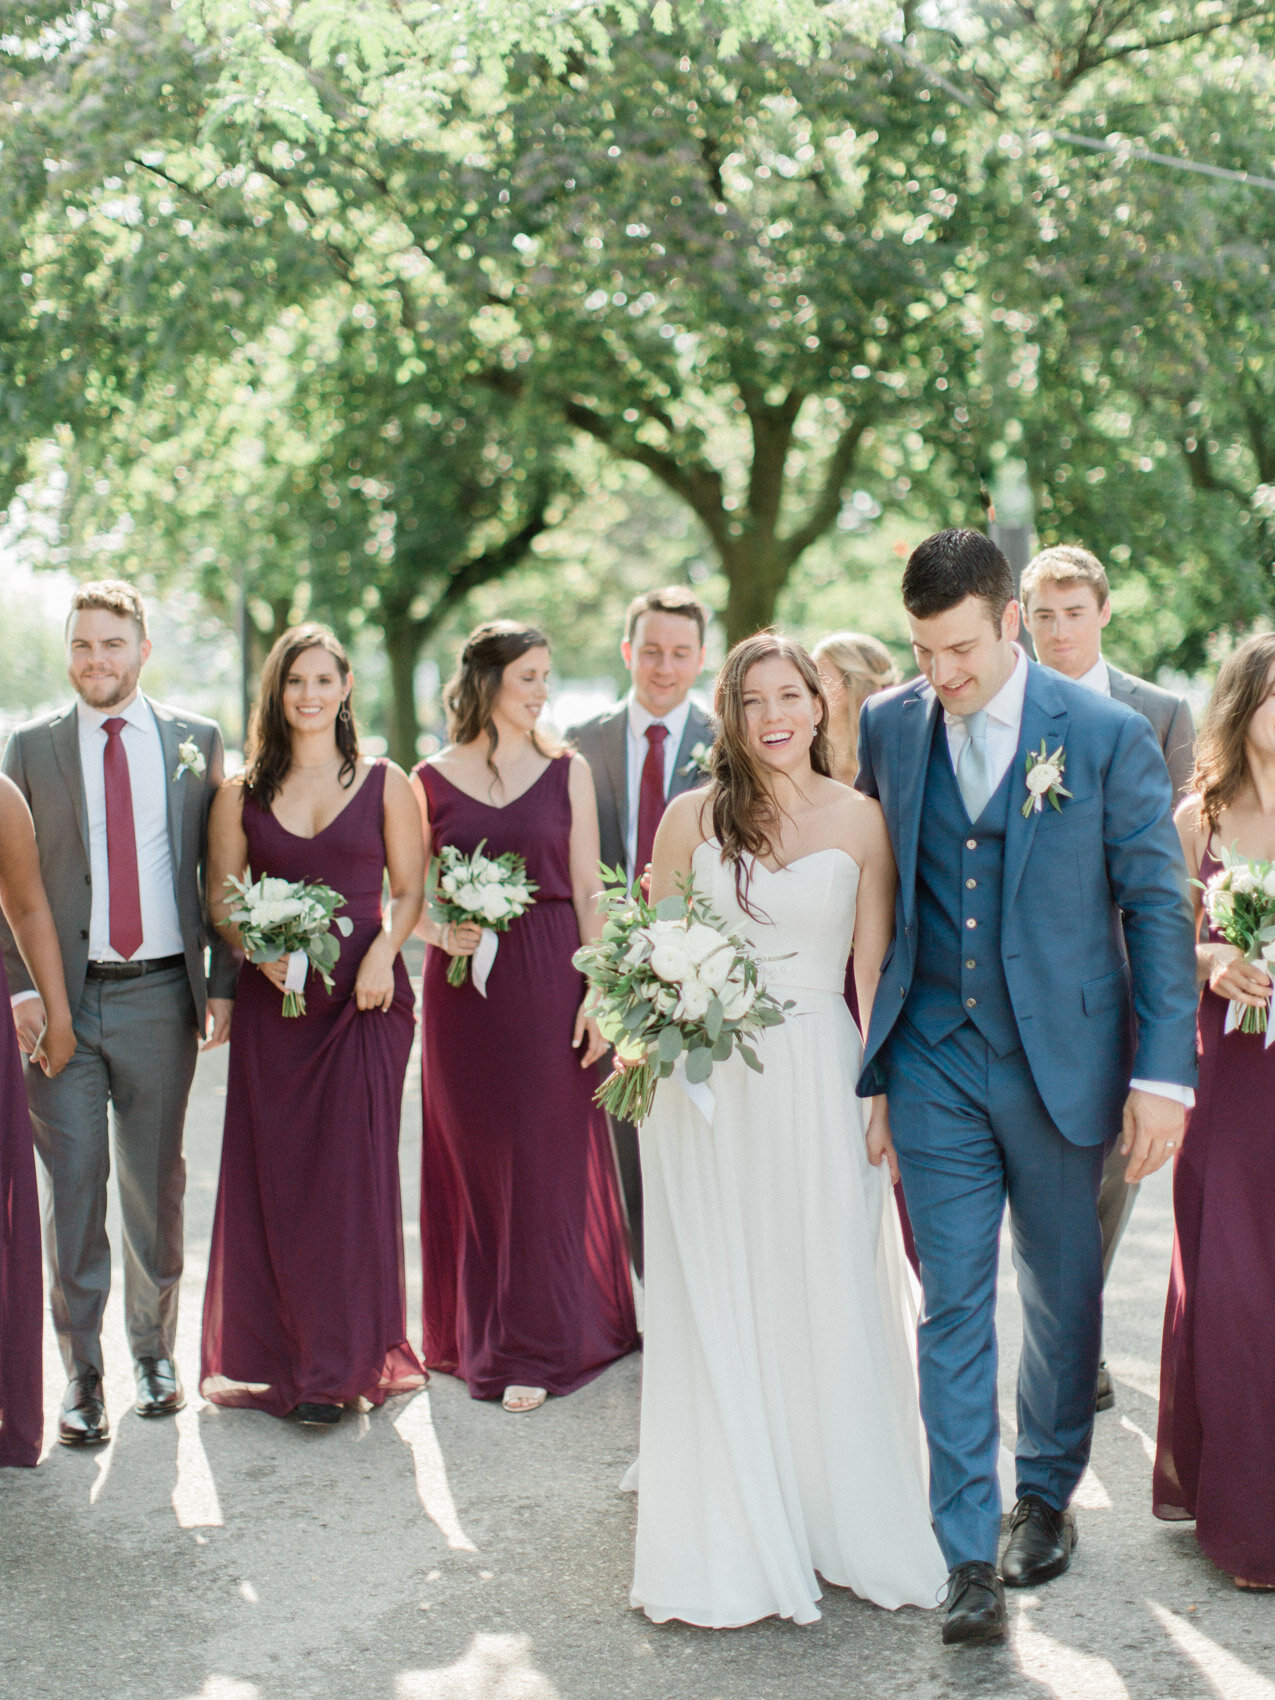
[
  {"x": 694, "y": 1001},
  {"x": 488, "y": 873},
  {"x": 495, "y": 905},
  {"x": 1043, "y": 777},
  {"x": 666, "y": 1000},
  {"x": 469, "y": 895},
  {"x": 518, "y": 895},
  {"x": 273, "y": 911},
  {"x": 1268, "y": 884},
  {"x": 738, "y": 999},
  {"x": 448, "y": 883},
  {"x": 1245, "y": 882},
  {"x": 715, "y": 970},
  {"x": 670, "y": 960},
  {"x": 270, "y": 889},
  {"x": 701, "y": 942}
]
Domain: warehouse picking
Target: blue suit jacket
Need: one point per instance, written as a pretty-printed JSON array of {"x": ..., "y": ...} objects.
[{"x": 1097, "y": 940}]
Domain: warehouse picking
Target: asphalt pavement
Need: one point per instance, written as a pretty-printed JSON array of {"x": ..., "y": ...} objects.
[{"x": 440, "y": 1549}]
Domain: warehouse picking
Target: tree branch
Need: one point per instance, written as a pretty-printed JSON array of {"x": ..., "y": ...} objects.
[
  {"x": 827, "y": 504},
  {"x": 491, "y": 564}
]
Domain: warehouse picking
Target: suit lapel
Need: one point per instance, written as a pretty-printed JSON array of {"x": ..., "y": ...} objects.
[
  {"x": 686, "y": 776},
  {"x": 1044, "y": 718},
  {"x": 171, "y": 733},
  {"x": 65, "y": 733},
  {"x": 615, "y": 758},
  {"x": 916, "y": 728}
]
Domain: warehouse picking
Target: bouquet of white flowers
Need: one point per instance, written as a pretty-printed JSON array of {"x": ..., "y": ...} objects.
[
  {"x": 291, "y": 918},
  {"x": 489, "y": 890},
  {"x": 1240, "y": 902},
  {"x": 670, "y": 979}
]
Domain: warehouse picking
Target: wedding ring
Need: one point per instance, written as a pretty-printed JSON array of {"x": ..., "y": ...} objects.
[{"x": 1169, "y": 1144}]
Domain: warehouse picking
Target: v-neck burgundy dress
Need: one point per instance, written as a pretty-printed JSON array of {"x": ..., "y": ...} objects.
[
  {"x": 305, "y": 1298},
  {"x": 1215, "y": 1443},
  {"x": 526, "y": 1276}
]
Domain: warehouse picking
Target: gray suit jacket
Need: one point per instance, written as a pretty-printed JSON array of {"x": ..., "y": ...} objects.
[
  {"x": 1171, "y": 722},
  {"x": 43, "y": 760},
  {"x": 601, "y": 741}
]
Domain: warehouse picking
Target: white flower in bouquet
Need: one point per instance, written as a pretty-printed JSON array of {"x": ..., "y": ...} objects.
[
  {"x": 671, "y": 987},
  {"x": 491, "y": 891},
  {"x": 1268, "y": 883},
  {"x": 1240, "y": 902}
]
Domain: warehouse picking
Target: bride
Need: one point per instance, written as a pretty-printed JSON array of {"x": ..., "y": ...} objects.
[{"x": 780, "y": 1430}]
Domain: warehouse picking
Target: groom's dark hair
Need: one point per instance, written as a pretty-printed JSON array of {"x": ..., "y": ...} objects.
[{"x": 952, "y": 565}]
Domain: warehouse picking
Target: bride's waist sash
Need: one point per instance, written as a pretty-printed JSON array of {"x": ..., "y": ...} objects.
[{"x": 807, "y": 999}]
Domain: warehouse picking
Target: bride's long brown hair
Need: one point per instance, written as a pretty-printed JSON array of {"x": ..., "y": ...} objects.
[{"x": 746, "y": 818}]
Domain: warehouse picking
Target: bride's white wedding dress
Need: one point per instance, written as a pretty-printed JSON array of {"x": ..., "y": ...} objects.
[{"x": 781, "y": 1434}]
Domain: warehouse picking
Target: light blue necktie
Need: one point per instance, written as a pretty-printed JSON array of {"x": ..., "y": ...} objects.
[{"x": 971, "y": 765}]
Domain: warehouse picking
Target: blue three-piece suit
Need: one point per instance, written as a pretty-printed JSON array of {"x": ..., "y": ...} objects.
[{"x": 1038, "y": 964}]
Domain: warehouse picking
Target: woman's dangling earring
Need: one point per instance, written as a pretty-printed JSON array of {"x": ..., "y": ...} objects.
[{"x": 343, "y": 713}]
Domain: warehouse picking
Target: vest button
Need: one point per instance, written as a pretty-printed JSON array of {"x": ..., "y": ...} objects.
[
  {"x": 970, "y": 962},
  {"x": 971, "y": 843},
  {"x": 970, "y": 1003},
  {"x": 971, "y": 922},
  {"x": 970, "y": 884}
]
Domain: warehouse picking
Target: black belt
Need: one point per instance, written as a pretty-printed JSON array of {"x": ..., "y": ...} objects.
[{"x": 132, "y": 970}]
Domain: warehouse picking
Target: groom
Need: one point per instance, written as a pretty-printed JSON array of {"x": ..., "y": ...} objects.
[{"x": 1017, "y": 1030}]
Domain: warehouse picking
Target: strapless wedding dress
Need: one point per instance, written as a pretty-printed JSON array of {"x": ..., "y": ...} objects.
[{"x": 781, "y": 1437}]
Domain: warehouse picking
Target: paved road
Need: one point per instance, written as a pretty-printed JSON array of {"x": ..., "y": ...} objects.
[{"x": 442, "y": 1550}]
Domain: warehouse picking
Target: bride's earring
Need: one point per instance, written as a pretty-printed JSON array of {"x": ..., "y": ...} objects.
[{"x": 344, "y": 715}]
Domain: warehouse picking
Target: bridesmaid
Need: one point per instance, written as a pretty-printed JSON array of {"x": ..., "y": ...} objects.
[
  {"x": 527, "y": 1290},
  {"x": 1217, "y": 1374},
  {"x": 305, "y": 1310},
  {"x": 26, "y": 910}
]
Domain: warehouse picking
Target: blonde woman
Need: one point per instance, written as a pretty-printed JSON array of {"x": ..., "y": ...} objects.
[{"x": 853, "y": 667}]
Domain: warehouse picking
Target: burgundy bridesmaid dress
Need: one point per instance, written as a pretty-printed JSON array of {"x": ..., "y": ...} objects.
[
  {"x": 1216, "y": 1440},
  {"x": 21, "y": 1285},
  {"x": 526, "y": 1273},
  {"x": 305, "y": 1299}
]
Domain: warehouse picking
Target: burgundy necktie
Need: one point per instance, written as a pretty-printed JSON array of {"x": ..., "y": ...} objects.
[
  {"x": 650, "y": 795},
  {"x": 121, "y": 844}
]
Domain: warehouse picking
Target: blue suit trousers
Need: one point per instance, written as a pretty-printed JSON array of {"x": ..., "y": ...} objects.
[{"x": 970, "y": 1130}]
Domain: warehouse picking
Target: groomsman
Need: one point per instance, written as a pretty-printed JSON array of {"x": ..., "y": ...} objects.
[
  {"x": 1067, "y": 602},
  {"x": 1037, "y": 1001},
  {"x": 119, "y": 788},
  {"x": 642, "y": 754}
]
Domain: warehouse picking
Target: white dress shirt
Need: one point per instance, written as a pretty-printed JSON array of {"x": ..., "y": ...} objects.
[
  {"x": 1097, "y": 678},
  {"x": 636, "y": 746},
  {"x": 1004, "y": 726},
  {"x": 148, "y": 782}
]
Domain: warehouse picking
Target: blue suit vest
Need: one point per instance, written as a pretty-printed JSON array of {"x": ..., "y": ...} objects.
[{"x": 959, "y": 974}]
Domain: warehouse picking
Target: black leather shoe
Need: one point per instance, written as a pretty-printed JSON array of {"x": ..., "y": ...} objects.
[
  {"x": 1040, "y": 1543},
  {"x": 1104, "y": 1393},
  {"x": 82, "y": 1420},
  {"x": 975, "y": 1605},
  {"x": 317, "y": 1416},
  {"x": 159, "y": 1388}
]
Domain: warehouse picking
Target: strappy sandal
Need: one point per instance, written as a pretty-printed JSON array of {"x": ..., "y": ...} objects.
[{"x": 523, "y": 1399}]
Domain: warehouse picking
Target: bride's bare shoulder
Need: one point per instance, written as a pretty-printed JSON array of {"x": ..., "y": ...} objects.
[{"x": 688, "y": 818}]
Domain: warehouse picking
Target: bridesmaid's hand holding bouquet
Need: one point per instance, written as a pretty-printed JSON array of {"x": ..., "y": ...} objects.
[
  {"x": 289, "y": 918},
  {"x": 485, "y": 891},
  {"x": 1240, "y": 902},
  {"x": 668, "y": 979}
]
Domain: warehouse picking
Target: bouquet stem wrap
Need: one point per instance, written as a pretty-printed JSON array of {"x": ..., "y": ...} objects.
[{"x": 1240, "y": 902}]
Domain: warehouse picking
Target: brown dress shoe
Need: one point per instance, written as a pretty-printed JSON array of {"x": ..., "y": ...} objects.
[
  {"x": 82, "y": 1420},
  {"x": 159, "y": 1388}
]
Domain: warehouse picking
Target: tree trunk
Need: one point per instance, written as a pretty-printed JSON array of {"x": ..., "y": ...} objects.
[
  {"x": 755, "y": 569},
  {"x": 403, "y": 647}
]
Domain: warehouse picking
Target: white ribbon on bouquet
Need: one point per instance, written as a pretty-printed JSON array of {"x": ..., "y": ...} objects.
[
  {"x": 481, "y": 961},
  {"x": 298, "y": 968},
  {"x": 1235, "y": 1011}
]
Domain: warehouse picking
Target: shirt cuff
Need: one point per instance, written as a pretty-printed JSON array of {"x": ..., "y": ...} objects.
[
  {"x": 1184, "y": 1095},
  {"x": 21, "y": 997}
]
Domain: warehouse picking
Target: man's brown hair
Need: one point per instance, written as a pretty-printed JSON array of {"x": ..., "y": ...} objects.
[
  {"x": 115, "y": 596},
  {"x": 1066, "y": 564},
  {"x": 669, "y": 599}
]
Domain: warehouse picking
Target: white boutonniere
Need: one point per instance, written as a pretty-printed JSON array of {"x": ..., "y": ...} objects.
[
  {"x": 698, "y": 763},
  {"x": 190, "y": 759},
  {"x": 1045, "y": 779}
]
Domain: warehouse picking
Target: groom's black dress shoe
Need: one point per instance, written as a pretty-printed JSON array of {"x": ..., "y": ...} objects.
[
  {"x": 315, "y": 1415},
  {"x": 159, "y": 1388},
  {"x": 1104, "y": 1393},
  {"x": 1040, "y": 1543},
  {"x": 975, "y": 1605},
  {"x": 82, "y": 1419}
]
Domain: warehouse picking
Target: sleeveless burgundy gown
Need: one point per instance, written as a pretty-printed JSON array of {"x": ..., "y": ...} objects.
[
  {"x": 526, "y": 1276},
  {"x": 305, "y": 1298},
  {"x": 21, "y": 1285},
  {"x": 1216, "y": 1436}
]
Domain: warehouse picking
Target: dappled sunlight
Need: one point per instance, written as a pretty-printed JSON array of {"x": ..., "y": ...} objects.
[
  {"x": 225, "y": 1688},
  {"x": 1226, "y": 1674},
  {"x": 195, "y": 1498},
  {"x": 415, "y": 1425},
  {"x": 1062, "y": 1671},
  {"x": 496, "y": 1667}
]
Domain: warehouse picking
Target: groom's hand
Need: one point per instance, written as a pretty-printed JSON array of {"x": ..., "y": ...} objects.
[
  {"x": 880, "y": 1145},
  {"x": 1153, "y": 1128}
]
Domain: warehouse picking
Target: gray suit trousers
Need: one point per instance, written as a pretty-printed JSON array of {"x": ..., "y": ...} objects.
[
  {"x": 136, "y": 1052},
  {"x": 1115, "y": 1204}
]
